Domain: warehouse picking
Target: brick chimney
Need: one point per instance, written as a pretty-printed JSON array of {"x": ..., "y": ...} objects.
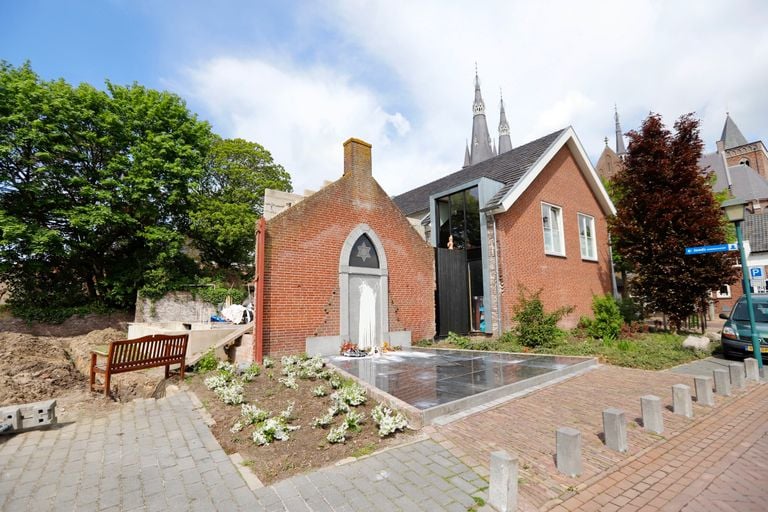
[{"x": 357, "y": 157}]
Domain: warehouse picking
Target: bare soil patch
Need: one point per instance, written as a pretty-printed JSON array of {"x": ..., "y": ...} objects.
[{"x": 307, "y": 448}]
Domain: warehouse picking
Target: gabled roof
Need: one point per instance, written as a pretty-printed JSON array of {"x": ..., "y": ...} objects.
[
  {"x": 732, "y": 136},
  {"x": 505, "y": 168},
  {"x": 745, "y": 182},
  {"x": 516, "y": 169}
]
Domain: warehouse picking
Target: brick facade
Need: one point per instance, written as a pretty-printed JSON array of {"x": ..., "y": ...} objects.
[
  {"x": 565, "y": 281},
  {"x": 754, "y": 154},
  {"x": 302, "y": 251}
]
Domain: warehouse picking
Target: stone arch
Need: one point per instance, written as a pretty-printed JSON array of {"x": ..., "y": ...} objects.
[{"x": 352, "y": 277}]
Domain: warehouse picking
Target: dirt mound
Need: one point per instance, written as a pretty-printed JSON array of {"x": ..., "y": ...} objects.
[{"x": 33, "y": 369}]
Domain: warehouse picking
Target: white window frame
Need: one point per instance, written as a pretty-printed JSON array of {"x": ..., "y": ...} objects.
[
  {"x": 726, "y": 295},
  {"x": 587, "y": 244},
  {"x": 554, "y": 239}
]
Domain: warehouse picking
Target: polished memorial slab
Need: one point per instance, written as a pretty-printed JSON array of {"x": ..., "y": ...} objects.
[{"x": 437, "y": 382}]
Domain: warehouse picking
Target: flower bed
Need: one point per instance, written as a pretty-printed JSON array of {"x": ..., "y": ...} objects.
[{"x": 294, "y": 415}]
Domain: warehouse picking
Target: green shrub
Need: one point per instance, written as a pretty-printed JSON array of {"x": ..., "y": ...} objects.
[
  {"x": 215, "y": 295},
  {"x": 535, "y": 327},
  {"x": 458, "y": 340},
  {"x": 207, "y": 363},
  {"x": 608, "y": 320},
  {"x": 630, "y": 310}
]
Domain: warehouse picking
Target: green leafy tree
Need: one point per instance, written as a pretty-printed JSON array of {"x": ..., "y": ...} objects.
[
  {"x": 95, "y": 190},
  {"x": 665, "y": 204},
  {"x": 230, "y": 199}
]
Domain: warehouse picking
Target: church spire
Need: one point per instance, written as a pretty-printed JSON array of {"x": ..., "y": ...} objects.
[
  {"x": 621, "y": 150},
  {"x": 481, "y": 140},
  {"x": 505, "y": 142},
  {"x": 466, "y": 154},
  {"x": 732, "y": 136}
]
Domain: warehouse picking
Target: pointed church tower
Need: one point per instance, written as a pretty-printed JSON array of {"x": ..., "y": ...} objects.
[
  {"x": 621, "y": 150},
  {"x": 466, "y": 154},
  {"x": 505, "y": 142},
  {"x": 481, "y": 141},
  {"x": 732, "y": 136}
]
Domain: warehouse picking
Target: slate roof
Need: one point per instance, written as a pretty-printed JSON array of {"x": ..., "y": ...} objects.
[
  {"x": 746, "y": 183},
  {"x": 506, "y": 168},
  {"x": 732, "y": 136},
  {"x": 756, "y": 231}
]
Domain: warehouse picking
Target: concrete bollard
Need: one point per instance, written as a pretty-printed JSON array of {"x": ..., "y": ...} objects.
[
  {"x": 568, "y": 451},
  {"x": 722, "y": 382},
  {"x": 704, "y": 395},
  {"x": 737, "y": 375},
  {"x": 681, "y": 400},
  {"x": 502, "y": 494},
  {"x": 750, "y": 365},
  {"x": 615, "y": 429},
  {"x": 652, "y": 418}
]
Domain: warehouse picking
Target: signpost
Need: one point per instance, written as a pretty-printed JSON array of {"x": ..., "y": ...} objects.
[{"x": 709, "y": 249}]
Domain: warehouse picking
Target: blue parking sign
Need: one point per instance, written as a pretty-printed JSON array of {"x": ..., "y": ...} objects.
[{"x": 756, "y": 272}]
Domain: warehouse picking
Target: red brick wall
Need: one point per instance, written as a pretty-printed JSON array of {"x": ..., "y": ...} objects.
[
  {"x": 303, "y": 246},
  {"x": 757, "y": 161},
  {"x": 565, "y": 281}
]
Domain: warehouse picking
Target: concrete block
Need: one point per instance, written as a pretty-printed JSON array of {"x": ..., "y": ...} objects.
[
  {"x": 737, "y": 375},
  {"x": 750, "y": 365},
  {"x": 568, "y": 447},
  {"x": 704, "y": 395},
  {"x": 681, "y": 400},
  {"x": 29, "y": 416},
  {"x": 323, "y": 345},
  {"x": 653, "y": 421},
  {"x": 722, "y": 382},
  {"x": 615, "y": 429},
  {"x": 502, "y": 494}
]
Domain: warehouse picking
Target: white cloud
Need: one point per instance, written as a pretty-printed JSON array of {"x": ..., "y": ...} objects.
[{"x": 402, "y": 78}]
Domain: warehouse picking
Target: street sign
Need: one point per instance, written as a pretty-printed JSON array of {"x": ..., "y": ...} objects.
[
  {"x": 756, "y": 272},
  {"x": 708, "y": 249}
]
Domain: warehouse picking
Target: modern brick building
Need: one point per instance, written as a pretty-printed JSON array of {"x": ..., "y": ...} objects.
[
  {"x": 344, "y": 264},
  {"x": 532, "y": 216}
]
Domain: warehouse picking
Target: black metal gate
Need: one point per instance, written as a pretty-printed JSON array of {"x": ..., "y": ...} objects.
[{"x": 452, "y": 291}]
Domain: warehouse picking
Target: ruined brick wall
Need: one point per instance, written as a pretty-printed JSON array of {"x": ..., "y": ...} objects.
[
  {"x": 566, "y": 280},
  {"x": 303, "y": 247}
]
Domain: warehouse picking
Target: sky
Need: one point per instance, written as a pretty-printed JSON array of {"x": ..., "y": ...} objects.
[{"x": 301, "y": 77}]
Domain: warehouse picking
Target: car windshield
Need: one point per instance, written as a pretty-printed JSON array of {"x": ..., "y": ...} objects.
[{"x": 741, "y": 314}]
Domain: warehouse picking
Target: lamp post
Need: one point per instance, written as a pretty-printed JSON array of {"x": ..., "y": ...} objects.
[{"x": 734, "y": 210}]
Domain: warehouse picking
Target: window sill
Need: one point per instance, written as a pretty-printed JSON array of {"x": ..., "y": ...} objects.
[
  {"x": 590, "y": 260},
  {"x": 555, "y": 254}
]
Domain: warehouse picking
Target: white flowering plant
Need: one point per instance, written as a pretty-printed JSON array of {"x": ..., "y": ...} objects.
[
  {"x": 319, "y": 391},
  {"x": 323, "y": 421},
  {"x": 251, "y": 372},
  {"x": 289, "y": 382},
  {"x": 338, "y": 434},
  {"x": 273, "y": 429},
  {"x": 268, "y": 362},
  {"x": 388, "y": 421},
  {"x": 250, "y": 415},
  {"x": 353, "y": 420},
  {"x": 230, "y": 394}
]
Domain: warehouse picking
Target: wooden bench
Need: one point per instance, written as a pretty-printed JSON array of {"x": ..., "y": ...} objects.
[{"x": 146, "y": 352}]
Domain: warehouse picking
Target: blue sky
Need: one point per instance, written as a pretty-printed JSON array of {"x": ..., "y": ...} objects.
[{"x": 302, "y": 77}]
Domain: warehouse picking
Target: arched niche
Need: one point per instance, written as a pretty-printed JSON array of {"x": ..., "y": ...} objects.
[{"x": 364, "y": 293}]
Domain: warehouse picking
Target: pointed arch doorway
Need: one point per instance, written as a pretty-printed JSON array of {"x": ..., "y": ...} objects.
[{"x": 363, "y": 275}]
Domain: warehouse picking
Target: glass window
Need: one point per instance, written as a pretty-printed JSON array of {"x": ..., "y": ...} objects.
[
  {"x": 587, "y": 237},
  {"x": 459, "y": 219},
  {"x": 364, "y": 254},
  {"x": 552, "y": 222}
]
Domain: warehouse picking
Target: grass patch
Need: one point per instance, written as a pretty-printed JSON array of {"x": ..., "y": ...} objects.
[
  {"x": 364, "y": 450},
  {"x": 648, "y": 351}
]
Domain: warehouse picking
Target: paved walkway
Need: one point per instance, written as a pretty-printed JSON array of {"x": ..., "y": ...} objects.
[
  {"x": 159, "y": 455},
  {"x": 719, "y": 464}
]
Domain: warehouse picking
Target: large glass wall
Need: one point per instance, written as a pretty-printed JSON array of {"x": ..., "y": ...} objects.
[{"x": 459, "y": 220}]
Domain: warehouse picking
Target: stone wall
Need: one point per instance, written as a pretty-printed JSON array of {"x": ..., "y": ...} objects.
[{"x": 174, "y": 307}]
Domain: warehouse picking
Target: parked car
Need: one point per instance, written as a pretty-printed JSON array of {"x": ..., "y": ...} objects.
[{"x": 736, "y": 336}]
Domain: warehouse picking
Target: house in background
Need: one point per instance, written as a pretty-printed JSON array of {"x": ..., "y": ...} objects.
[
  {"x": 741, "y": 168},
  {"x": 533, "y": 216}
]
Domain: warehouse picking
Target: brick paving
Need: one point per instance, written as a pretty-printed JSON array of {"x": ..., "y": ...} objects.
[
  {"x": 718, "y": 464},
  {"x": 159, "y": 455},
  {"x": 149, "y": 455},
  {"x": 527, "y": 426}
]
